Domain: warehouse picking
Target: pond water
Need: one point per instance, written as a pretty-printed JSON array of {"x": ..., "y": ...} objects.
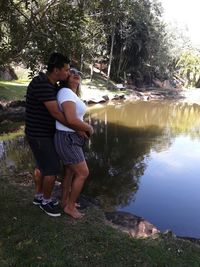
[{"x": 144, "y": 158}]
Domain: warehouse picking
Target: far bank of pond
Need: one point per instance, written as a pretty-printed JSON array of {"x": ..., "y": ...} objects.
[{"x": 143, "y": 158}]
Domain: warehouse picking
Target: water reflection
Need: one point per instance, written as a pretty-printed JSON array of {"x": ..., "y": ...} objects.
[
  {"x": 136, "y": 161},
  {"x": 125, "y": 136},
  {"x": 115, "y": 169}
]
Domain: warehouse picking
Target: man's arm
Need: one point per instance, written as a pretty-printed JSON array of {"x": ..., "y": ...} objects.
[
  {"x": 68, "y": 120},
  {"x": 53, "y": 109},
  {"x": 74, "y": 122}
]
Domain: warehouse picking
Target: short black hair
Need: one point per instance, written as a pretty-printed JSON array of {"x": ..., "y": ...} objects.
[{"x": 57, "y": 60}]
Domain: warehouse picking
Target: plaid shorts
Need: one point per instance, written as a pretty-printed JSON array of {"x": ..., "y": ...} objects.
[{"x": 69, "y": 146}]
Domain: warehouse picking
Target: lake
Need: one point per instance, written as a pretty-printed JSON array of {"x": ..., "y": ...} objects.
[{"x": 144, "y": 158}]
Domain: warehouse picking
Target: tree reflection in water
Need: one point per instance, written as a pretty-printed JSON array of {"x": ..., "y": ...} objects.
[{"x": 115, "y": 169}]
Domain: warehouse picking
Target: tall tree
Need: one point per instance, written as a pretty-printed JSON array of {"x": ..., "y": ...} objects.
[
  {"x": 130, "y": 34},
  {"x": 46, "y": 26}
]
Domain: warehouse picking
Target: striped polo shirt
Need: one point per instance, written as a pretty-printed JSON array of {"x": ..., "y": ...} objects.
[{"x": 38, "y": 121}]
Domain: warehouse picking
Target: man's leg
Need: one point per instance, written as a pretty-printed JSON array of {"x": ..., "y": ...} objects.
[
  {"x": 48, "y": 205},
  {"x": 38, "y": 179},
  {"x": 39, "y": 191},
  {"x": 48, "y": 184},
  {"x": 49, "y": 165}
]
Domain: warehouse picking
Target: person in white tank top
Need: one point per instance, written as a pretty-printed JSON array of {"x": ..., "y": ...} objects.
[{"x": 69, "y": 142}]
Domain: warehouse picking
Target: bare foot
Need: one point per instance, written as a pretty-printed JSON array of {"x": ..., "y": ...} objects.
[
  {"x": 64, "y": 204},
  {"x": 77, "y": 205},
  {"x": 73, "y": 212}
]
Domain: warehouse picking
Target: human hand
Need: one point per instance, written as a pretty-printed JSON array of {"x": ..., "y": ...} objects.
[
  {"x": 83, "y": 134},
  {"x": 90, "y": 131}
]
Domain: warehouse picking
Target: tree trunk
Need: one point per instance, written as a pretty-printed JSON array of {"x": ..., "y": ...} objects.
[
  {"x": 81, "y": 68},
  {"x": 120, "y": 62},
  {"x": 101, "y": 67},
  {"x": 198, "y": 84},
  {"x": 111, "y": 55},
  {"x": 92, "y": 70}
]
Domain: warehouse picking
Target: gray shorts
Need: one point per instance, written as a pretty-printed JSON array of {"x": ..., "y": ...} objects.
[{"x": 69, "y": 147}]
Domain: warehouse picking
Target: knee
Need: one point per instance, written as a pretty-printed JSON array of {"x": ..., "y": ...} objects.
[
  {"x": 84, "y": 173},
  {"x": 37, "y": 173},
  {"x": 49, "y": 178}
]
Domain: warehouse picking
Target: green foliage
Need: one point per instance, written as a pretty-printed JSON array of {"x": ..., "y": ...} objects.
[
  {"x": 188, "y": 66},
  {"x": 140, "y": 40},
  {"x": 94, "y": 38},
  {"x": 45, "y": 27},
  {"x": 13, "y": 27},
  {"x": 58, "y": 29},
  {"x": 129, "y": 34}
]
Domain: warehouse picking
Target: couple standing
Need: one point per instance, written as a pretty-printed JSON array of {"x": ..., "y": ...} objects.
[{"x": 55, "y": 130}]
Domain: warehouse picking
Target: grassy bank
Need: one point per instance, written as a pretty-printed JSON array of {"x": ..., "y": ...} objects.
[
  {"x": 14, "y": 90},
  {"x": 30, "y": 238}
]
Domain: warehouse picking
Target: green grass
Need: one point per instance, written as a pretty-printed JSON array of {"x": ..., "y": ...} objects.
[
  {"x": 14, "y": 90},
  {"x": 100, "y": 82},
  {"x": 10, "y": 127},
  {"x": 10, "y": 130},
  {"x": 29, "y": 238}
]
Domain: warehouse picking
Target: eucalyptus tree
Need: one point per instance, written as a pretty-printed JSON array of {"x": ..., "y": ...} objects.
[
  {"x": 140, "y": 39},
  {"x": 135, "y": 35},
  {"x": 93, "y": 40},
  {"x": 105, "y": 17},
  {"x": 101, "y": 17}
]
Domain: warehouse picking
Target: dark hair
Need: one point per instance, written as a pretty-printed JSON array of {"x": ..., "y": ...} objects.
[
  {"x": 57, "y": 60},
  {"x": 65, "y": 84}
]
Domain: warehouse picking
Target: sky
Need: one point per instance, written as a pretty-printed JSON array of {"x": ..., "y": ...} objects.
[{"x": 184, "y": 13}]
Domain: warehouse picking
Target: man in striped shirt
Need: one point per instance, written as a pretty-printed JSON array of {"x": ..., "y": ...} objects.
[{"x": 41, "y": 112}]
